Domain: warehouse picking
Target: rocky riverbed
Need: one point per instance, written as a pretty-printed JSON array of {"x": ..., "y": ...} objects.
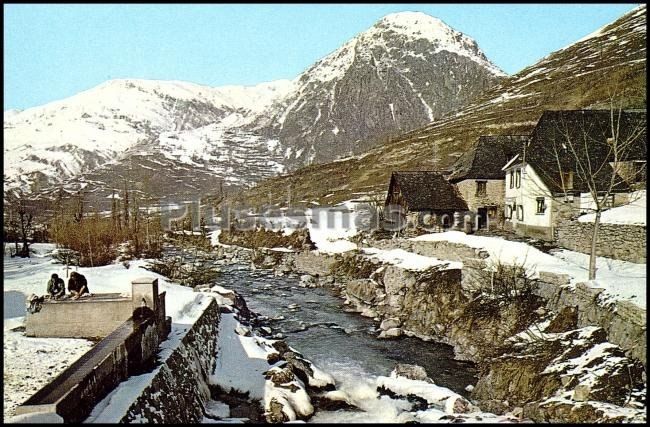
[{"x": 533, "y": 361}]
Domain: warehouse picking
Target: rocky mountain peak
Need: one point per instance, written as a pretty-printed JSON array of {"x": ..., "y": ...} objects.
[
  {"x": 412, "y": 23},
  {"x": 417, "y": 26},
  {"x": 398, "y": 34}
]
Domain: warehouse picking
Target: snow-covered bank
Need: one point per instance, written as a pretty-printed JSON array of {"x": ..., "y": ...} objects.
[
  {"x": 620, "y": 279},
  {"x": 266, "y": 370},
  {"x": 409, "y": 260}
]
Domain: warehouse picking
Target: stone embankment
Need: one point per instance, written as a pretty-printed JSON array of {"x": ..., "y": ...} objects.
[
  {"x": 179, "y": 388},
  {"x": 535, "y": 350}
]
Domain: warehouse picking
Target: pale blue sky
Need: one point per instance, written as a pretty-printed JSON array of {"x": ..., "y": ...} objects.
[{"x": 54, "y": 51}]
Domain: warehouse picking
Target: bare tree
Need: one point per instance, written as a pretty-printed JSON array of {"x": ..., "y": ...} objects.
[
  {"x": 599, "y": 156},
  {"x": 21, "y": 222}
]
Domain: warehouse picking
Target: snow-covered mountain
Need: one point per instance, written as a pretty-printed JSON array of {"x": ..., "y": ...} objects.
[
  {"x": 60, "y": 140},
  {"x": 407, "y": 70},
  {"x": 609, "y": 62}
]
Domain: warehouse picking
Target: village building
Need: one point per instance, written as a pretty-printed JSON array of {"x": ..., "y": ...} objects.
[
  {"x": 480, "y": 178},
  {"x": 425, "y": 198},
  {"x": 546, "y": 182}
]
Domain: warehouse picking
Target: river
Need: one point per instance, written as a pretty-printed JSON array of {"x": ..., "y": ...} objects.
[{"x": 313, "y": 321}]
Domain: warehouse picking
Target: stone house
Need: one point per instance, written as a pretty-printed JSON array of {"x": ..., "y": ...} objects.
[
  {"x": 424, "y": 198},
  {"x": 545, "y": 184},
  {"x": 480, "y": 178}
]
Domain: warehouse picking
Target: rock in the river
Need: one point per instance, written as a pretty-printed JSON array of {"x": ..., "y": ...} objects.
[
  {"x": 412, "y": 372},
  {"x": 457, "y": 405},
  {"x": 336, "y": 400},
  {"x": 390, "y": 323},
  {"x": 369, "y": 312},
  {"x": 306, "y": 278},
  {"x": 391, "y": 333},
  {"x": 286, "y": 268}
]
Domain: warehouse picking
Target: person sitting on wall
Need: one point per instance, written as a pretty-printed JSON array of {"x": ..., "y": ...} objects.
[
  {"x": 56, "y": 287},
  {"x": 77, "y": 285}
]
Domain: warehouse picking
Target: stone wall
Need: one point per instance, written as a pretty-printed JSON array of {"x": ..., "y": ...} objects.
[
  {"x": 623, "y": 242},
  {"x": 179, "y": 389},
  {"x": 624, "y": 322},
  {"x": 314, "y": 264},
  {"x": 494, "y": 196},
  {"x": 436, "y": 304}
]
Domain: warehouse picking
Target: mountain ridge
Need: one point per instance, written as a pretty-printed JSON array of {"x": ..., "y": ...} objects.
[{"x": 368, "y": 90}]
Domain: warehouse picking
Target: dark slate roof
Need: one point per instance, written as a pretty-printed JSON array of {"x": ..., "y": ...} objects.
[
  {"x": 487, "y": 158},
  {"x": 424, "y": 190},
  {"x": 589, "y": 130}
]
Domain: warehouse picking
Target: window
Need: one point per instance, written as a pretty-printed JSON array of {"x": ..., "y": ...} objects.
[
  {"x": 520, "y": 212},
  {"x": 518, "y": 178},
  {"x": 481, "y": 188},
  {"x": 507, "y": 213},
  {"x": 541, "y": 206},
  {"x": 512, "y": 179},
  {"x": 609, "y": 201}
]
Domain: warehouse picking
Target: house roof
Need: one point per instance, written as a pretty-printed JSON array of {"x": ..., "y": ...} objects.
[
  {"x": 486, "y": 159},
  {"x": 561, "y": 137},
  {"x": 427, "y": 190}
]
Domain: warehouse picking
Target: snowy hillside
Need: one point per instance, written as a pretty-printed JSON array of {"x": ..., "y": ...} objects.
[
  {"x": 404, "y": 72},
  {"x": 64, "y": 138}
]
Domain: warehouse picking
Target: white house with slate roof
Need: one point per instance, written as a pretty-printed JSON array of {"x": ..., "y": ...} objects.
[{"x": 543, "y": 183}]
